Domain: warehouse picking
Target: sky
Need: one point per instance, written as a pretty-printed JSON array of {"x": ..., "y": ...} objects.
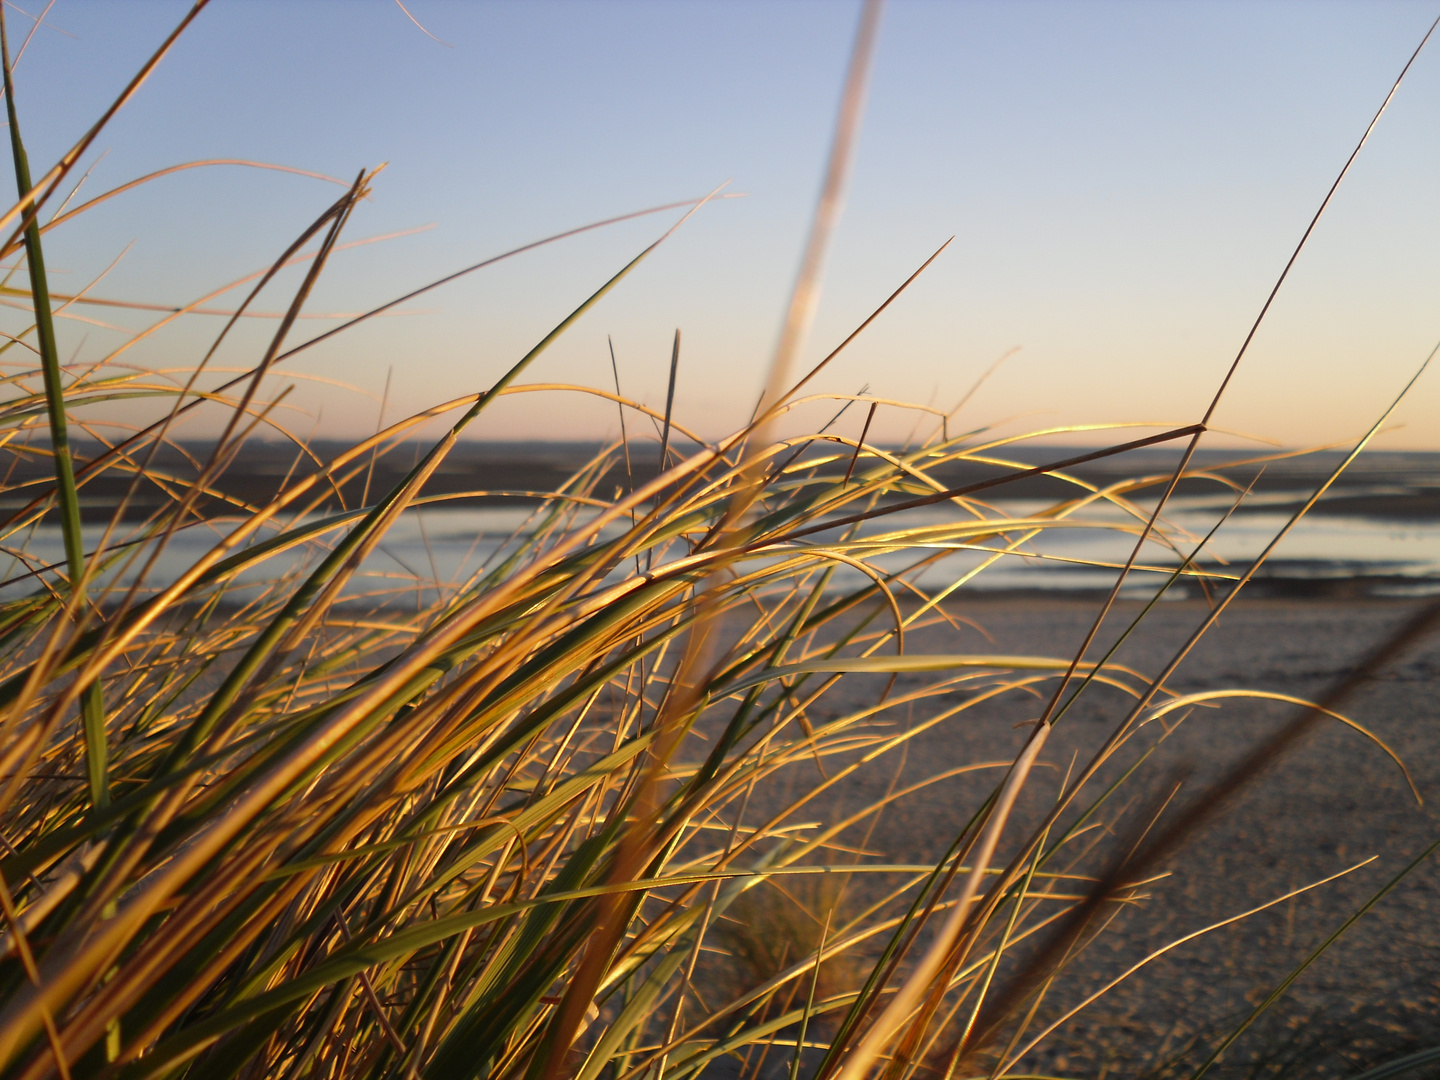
[{"x": 1124, "y": 183}]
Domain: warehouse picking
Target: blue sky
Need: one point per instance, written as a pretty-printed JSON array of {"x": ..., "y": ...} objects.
[{"x": 1124, "y": 182}]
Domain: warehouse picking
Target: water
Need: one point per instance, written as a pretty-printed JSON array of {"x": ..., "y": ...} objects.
[
  {"x": 1376, "y": 555},
  {"x": 1383, "y": 557}
]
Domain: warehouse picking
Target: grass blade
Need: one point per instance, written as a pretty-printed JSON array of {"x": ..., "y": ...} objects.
[{"x": 92, "y": 704}]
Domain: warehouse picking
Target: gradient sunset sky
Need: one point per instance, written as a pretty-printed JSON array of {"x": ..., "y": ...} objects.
[{"x": 1124, "y": 182}]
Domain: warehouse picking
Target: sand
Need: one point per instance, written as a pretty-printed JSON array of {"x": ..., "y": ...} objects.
[{"x": 1332, "y": 802}]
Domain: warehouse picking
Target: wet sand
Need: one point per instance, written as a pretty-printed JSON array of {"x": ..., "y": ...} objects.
[{"x": 1332, "y": 802}]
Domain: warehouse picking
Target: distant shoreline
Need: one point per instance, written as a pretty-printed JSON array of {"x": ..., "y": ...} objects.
[{"x": 1386, "y": 485}]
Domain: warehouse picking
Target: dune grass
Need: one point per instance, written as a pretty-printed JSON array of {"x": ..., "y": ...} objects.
[{"x": 271, "y": 814}]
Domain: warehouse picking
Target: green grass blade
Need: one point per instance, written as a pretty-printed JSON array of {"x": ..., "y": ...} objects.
[{"x": 92, "y": 705}]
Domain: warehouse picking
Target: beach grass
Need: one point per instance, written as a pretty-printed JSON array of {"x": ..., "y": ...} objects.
[{"x": 274, "y": 814}]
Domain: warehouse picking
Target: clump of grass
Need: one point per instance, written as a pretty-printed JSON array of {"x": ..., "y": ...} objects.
[
  {"x": 329, "y": 823},
  {"x": 771, "y": 926}
]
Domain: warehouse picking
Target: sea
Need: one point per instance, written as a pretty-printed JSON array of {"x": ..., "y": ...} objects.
[{"x": 1376, "y": 535}]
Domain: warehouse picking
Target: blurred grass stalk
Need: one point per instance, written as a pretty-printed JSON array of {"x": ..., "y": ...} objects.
[{"x": 536, "y": 819}]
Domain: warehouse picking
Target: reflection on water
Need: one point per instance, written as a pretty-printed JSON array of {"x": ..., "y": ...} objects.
[
  {"x": 1391, "y": 557},
  {"x": 1373, "y": 555}
]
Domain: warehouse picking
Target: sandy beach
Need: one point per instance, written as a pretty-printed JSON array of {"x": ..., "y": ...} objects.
[{"x": 1331, "y": 803}]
